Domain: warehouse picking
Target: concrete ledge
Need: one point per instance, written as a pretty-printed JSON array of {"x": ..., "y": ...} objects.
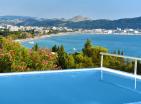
[
  {"x": 74, "y": 70},
  {"x": 121, "y": 73},
  {"x": 44, "y": 72}
]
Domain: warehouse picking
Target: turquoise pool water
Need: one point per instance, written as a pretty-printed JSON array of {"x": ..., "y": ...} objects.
[
  {"x": 80, "y": 87},
  {"x": 131, "y": 45}
]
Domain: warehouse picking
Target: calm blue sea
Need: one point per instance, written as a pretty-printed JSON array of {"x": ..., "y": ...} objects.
[{"x": 131, "y": 45}]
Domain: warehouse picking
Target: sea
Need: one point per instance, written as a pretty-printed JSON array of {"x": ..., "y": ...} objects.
[{"x": 129, "y": 44}]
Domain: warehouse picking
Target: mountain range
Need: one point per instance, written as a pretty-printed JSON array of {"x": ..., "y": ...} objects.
[{"x": 76, "y": 22}]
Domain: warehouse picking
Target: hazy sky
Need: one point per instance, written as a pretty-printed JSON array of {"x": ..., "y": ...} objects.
[{"x": 97, "y": 9}]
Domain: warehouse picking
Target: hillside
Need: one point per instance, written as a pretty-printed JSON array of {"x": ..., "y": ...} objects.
[{"x": 75, "y": 22}]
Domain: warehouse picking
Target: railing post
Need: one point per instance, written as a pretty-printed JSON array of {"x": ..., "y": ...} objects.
[
  {"x": 135, "y": 73},
  {"x": 135, "y": 59},
  {"x": 101, "y": 66}
]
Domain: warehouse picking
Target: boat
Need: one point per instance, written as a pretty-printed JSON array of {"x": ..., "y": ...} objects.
[{"x": 31, "y": 42}]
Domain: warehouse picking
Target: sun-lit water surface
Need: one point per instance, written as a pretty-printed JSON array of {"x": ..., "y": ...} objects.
[{"x": 131, "y": 45}]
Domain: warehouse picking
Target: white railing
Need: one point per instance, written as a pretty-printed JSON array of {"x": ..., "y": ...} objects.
[{"x": 121, "y": 56}]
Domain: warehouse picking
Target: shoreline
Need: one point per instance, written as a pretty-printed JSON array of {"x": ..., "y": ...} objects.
[
  {"x": 44, "y": 36},
  {"x": 70, "y": 33}
]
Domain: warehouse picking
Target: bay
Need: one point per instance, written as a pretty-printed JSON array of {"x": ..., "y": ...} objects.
[{"x": 130, "y": 44}]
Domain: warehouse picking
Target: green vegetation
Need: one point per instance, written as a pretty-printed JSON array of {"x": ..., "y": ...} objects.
[
  {"x": 17, "y": 34},
  {"x": 90, "y": 58},
  {"x": 23, "y": 34},
  {"x": 16, "y": 58}
]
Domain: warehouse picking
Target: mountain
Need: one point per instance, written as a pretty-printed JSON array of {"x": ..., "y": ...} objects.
[
  {"x": 84, "y": 23},
  {"x": 79, "y": 18},
  {"x": 13, "y": 20},
  {"x": 75, "y": 22},
  {"x": 43, "y": 23}
]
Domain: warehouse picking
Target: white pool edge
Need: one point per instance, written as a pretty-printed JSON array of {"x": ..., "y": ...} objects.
[
  {"x": 73, "y": 70},
  {"x": 49, "y": 71},
  {"x": 121, "y": 73}
]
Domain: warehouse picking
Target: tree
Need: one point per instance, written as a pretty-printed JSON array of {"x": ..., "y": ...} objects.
[
  {"x": 70, "y": 62},
  {"x": 62, "y": 57},
  {"x": 5, "y": 62},
  {"x": 88, "y": 44},
  {"x": 1, "y": 41},
  {"x": 35, "y": 47},
  {"x": 16, "y": 58},
  {"x": 95, "y": 54},
  {"x": 54, "y": 48},
  {"x": 87, "y": 62},
  {"x": 87, "y": 48},
  {"x": 78, "y": 58}
]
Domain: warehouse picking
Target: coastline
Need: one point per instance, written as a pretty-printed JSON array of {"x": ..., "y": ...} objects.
[
  {"x": 44, "y": 36},
  {"x": 70, "y": 33}
]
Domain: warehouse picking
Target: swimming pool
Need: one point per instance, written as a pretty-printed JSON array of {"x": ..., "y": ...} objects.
[{"x": 82, "y": 86}]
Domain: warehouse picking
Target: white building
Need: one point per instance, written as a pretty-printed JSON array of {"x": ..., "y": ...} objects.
[{"x": 13, "y": 28}]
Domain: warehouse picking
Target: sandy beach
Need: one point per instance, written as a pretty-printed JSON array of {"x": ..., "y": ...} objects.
[{"x": 44, "y": 36}]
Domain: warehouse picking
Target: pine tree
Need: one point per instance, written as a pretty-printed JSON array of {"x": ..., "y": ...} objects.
[
  {"x": 87, "y": 48},
  {"x": 61, "y": 59},
  {"x": 35, "y": 47},
  {"x": 54, "y": 48}
]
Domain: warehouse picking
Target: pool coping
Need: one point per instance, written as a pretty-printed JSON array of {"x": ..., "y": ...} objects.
[
  {"x": 49, "y": 71},
  {"x": 121, "y": 73},
  {"x": 73, "y": 70}
]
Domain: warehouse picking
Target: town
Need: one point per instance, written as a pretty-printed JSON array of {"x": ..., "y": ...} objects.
[{"x": 36, "y": 31}]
